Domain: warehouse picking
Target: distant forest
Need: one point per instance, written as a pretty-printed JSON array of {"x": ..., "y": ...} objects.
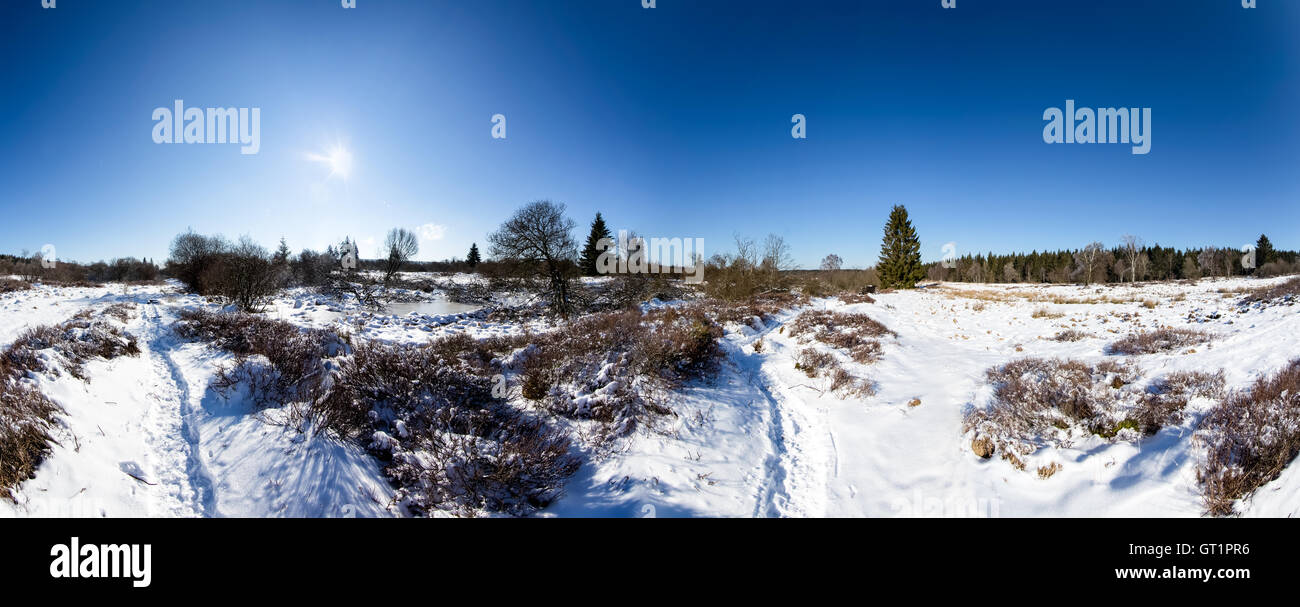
[{"x": 1129, "y": 262}]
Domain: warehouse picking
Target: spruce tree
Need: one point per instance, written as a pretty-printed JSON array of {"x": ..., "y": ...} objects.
[
  {"x": 473, "y": 258},
  {"x": 1264, "y": 252},
  {"x": 900, "y": 253},
  {"x": 589, "y": 252},
  {"x": 282, "y": 253}
]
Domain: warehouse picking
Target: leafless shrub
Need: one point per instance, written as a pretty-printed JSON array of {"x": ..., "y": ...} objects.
[
  {"x": 279, "y": 362},
  {"x": 1165, "y": 399},
  {"x": 1250, "y": 437},
  {"x": 616, "y": 367},
  {"x": 855, "y": 298},
  {"x": 75, "y": 342},
  {"x": 1071, "y": 335},
  {"x": 26, "y": 415},
  {"x": 1037, "y": 401},
  {"x": 763, "y": 307},
  {"x": 427, "y": 411},
  {"x": 9, "y": 285},
  {"x": 814, "y": 362},
  {"x": 1160, "y": 340},
  {"x": 1284, "y": 292},
  {"x": 854, "y": 333}
]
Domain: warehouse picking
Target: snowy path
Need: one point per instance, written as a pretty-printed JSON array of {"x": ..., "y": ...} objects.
[{"x": 170, "y": 430}]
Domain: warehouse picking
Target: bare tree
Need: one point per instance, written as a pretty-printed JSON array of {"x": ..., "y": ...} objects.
[
  {"x": 539, "y": 235},
  {"x": 832, "y": 263},
  {"x": 1210, "y": 260},
  {"x": 1087, "y": 260},
  {"x": 248, "y": 276},
  {"x": 1009, "y": 273},
  {"x": 401, "y": 245},
  {"x": 1132, "y": 249}
]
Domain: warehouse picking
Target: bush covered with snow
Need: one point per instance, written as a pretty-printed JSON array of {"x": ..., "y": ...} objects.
[
  {"x": 1250, "y": 437},
  {"x": 1160, "y": 340},
  {"x": 26, "y": 415},
  {"x": 854, "y": 333},
  {"x": 1040, "y": 402},
  {"x": 427, "y": 411},
  {"x": 616, "y": 367}
]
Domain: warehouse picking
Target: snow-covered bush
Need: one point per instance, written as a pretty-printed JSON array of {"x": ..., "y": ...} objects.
[
  {"x": 427, "y": 411},
  {"x": 1070, "y": 335},
  {"x": 616, "y": 367},
  {"x": 26, "y": 415},
  {"x": 1051, "y": 402},
  {"x": 9, "y": 285},
  {"x": 278, "y": 362},
  {"x": 852, "y": 332},
  {"x": 450, "y": 445},
  {"x": 1250, "y": 437},
  {"x": 74, "y": 342},
  {"x": 1160, "y": 340}
]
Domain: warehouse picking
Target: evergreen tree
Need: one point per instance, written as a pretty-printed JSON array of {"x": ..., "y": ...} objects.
[
  {"x": 1264, "y": 252},
  {"x": 900, "y": 253},
  {"x": 282, "y": 253},
  {"x": 473, "y": 258},
  {"x": 589, "y": 252}
]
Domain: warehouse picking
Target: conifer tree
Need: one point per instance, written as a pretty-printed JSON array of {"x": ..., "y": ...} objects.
[
  {"x": 900, "y": 253},
  {"x": 1263, "y": 251},
  {"x": 473, "y": 258},
  {"x": 589, "y": 251}
]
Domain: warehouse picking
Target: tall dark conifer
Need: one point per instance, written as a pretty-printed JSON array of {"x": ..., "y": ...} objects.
[
  {"x": 1264, "y": 252},
  {"x": 900, "y": 253},
  {"x": 473, "y": 259},
  {"x": 589, "y": 251}
]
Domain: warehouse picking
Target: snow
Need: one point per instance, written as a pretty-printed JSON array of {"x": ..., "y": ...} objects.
[{"x": 146, "y": 436}]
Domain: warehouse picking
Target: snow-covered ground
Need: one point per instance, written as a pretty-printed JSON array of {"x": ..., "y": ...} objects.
[{"x": 145, "y": 436}]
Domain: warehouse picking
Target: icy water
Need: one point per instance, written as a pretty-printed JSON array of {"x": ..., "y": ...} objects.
[{"x": 430, "y": 308}]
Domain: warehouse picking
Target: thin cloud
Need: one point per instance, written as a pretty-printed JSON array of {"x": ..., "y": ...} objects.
[{"x": 431, "y": 231}]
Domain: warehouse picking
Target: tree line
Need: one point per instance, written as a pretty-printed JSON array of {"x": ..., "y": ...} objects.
[{"x": 1130, "y": 261}]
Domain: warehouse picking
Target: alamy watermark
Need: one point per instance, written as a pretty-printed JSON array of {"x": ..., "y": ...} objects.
[
  {"x": 930, "y": 506},
  {"x": 635, "y": 255},
  {"x": 49, "y": 257},
  {"x": 129, "y": 561},
  {"x": 180, "y": 124},
  {"x": 1102, "y": 125}
]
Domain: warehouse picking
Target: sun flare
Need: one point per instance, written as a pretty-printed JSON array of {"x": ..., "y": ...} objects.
[{"x": 338, "y": 159}]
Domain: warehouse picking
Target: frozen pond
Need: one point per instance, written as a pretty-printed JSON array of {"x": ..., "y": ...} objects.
[{"x": 429, "y": 308}]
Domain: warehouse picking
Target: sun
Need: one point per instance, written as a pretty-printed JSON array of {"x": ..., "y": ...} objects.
[{"x": 337, "y": 158}]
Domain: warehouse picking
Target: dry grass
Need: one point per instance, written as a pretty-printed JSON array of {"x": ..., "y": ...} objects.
[
  {"x": 1029, "y": 295},
  {"x": 1160, "y": 340},
  {"x": 1045, "y": 313},
  {"x": 1250, "y": 437},
  {"x": 1046, "y": 472}
]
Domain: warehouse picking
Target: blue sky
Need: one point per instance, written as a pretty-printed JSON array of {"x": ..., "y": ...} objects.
[{"x": 673, "y": 121}]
